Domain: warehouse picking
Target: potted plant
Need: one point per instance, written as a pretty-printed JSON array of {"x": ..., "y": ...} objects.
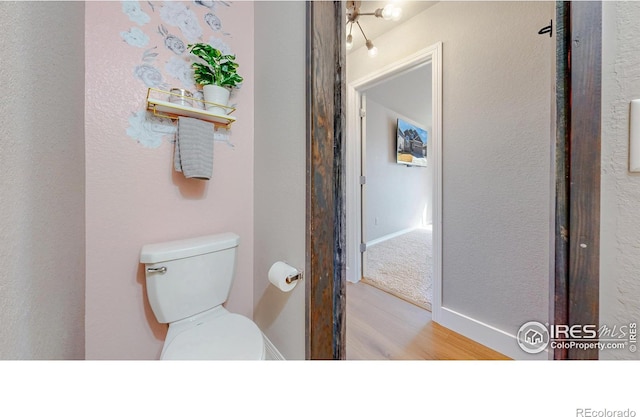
[{"x": 217, "y": 75}]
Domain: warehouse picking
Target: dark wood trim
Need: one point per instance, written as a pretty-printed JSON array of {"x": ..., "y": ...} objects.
[
  {"x": 325, "y": 235},
  {"x": 584, "y": 168},
  {"x": 563, "y": 122},
  {"x": 578, "y": 94}
]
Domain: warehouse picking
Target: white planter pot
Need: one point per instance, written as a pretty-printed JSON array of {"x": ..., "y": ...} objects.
[{"x": 217, "y": 95}]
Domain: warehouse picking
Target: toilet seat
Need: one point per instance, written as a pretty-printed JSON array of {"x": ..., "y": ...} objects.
[{"x": 226, "y": 336}]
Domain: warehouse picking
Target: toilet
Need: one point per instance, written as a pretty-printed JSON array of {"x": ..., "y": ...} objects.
[{"x": 187, "y": 283}]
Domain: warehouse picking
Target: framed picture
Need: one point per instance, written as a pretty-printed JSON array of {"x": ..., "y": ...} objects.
[{"x": 412, "y": 144}]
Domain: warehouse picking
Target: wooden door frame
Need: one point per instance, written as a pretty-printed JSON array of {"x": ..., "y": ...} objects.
[
  {"x": 325, "y": 235},
  {"x": 575, "y": 285},
  {"x": 578, "y": 155}
]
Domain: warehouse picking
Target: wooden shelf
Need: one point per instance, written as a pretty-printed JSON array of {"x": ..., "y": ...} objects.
[{"x": 157, "y": 102}]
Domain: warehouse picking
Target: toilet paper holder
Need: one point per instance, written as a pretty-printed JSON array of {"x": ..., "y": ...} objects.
[{"x": 296, "y": 277}]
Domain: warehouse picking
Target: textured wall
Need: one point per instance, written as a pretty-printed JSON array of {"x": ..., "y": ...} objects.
[
  {"x": 396, "y": 195},
  {"x": 497, "y": 164},
  {"x": 134, "y": 196},
  {"x": 42, "y": 180},
  {"x": 620, "y": 223},
  {"x": 496, "y": 151},
  {"x": 280, "y": 167}
]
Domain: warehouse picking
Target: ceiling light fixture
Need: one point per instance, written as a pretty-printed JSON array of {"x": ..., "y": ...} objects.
[{"x": 388, "y": 12}]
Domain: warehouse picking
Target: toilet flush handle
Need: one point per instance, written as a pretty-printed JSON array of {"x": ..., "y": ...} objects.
[{"x": 161, "y": 269}]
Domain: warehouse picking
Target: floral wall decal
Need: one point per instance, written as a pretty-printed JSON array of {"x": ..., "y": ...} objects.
[
  {"x": 181, "y": 70},
  {"x": 173, "y": 43},
  {"x": 149, "y": 75},
  {"x": 135, "y": 37},
  {"x": 149, "y": 131},
  {"x": 164, "y": 29},
  {"x": 213, "y": 21},
  {"x": 221, "y": 45},
  {"x": 179, "y": 15},
  {"x": 134, "y": 11}
]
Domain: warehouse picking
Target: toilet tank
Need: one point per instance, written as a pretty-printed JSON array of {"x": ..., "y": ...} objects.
[{"x": 187, "y": 277}]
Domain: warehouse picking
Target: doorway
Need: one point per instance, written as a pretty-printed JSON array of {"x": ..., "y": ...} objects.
[
  {"x": 394, "y": 202},
  {"x": 326, "y": 250},
  {"x": 497, "y": 165}
]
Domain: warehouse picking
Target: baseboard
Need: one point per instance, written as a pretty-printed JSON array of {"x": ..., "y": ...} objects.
[
  {"x": 486, "y": 335},
  {"x": 271, "y": 352},
  {"x": 390, "y": 236},
  {"x": 351, "y": 276}
]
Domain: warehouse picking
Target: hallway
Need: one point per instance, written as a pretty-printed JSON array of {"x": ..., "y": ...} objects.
[{"x": 381, "y": 326}]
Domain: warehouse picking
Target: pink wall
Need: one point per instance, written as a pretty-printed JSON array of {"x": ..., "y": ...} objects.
[{"x": 133, "y": 197}]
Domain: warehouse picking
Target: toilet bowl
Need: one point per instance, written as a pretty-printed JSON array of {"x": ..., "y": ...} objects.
[
  {"x": 215, "y": 334},
  {"x": 187, "y": 283}
]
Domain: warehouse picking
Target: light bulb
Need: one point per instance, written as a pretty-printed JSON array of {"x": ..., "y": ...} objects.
[
  {"x": 349, "y": 42},
  {"x": 387, "y": 11},
  {"x": 373, "y": 51},
  {"x": 396, "y": 14}
]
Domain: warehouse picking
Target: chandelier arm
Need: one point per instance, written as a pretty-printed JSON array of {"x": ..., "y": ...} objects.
[{"x": 365, "y": 36}]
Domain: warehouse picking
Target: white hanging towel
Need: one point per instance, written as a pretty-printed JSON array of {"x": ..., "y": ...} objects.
[{"x": 193, "y": 155}]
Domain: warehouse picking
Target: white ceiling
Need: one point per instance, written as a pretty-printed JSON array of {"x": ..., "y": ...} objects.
[
  {"x": 408, "y": 94},
  {"x": 375, "y": 26}
]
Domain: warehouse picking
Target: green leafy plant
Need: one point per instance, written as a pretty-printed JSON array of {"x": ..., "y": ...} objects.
[{"x": 218, "y": 69}]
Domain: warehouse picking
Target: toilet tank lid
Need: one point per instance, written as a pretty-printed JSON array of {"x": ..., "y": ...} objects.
[{"x": 178, "y": 249}]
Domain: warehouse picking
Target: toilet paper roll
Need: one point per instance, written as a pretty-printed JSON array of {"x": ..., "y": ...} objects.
[{"x": 278, "y": 274}]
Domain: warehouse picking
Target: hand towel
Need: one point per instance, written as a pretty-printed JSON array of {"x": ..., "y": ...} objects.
[{"x": 193, "y": 155}]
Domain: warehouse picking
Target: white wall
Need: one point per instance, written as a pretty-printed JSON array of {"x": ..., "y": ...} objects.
[
  {"x": 496, "y": 155},
  {"x": 42, "y": 172},
  {"x": 280, "y": 170},
  {"x": 396, "y": 195},
  {"x": 497, "y": 163},
  {"x": 620, "y": 223}
]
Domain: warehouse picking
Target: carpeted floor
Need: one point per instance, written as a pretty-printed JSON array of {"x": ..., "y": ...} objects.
[{"x": 402, "y": 266}]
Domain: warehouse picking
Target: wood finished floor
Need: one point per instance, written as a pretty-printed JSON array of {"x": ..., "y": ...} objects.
[{"x": 381, "y": 326}]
